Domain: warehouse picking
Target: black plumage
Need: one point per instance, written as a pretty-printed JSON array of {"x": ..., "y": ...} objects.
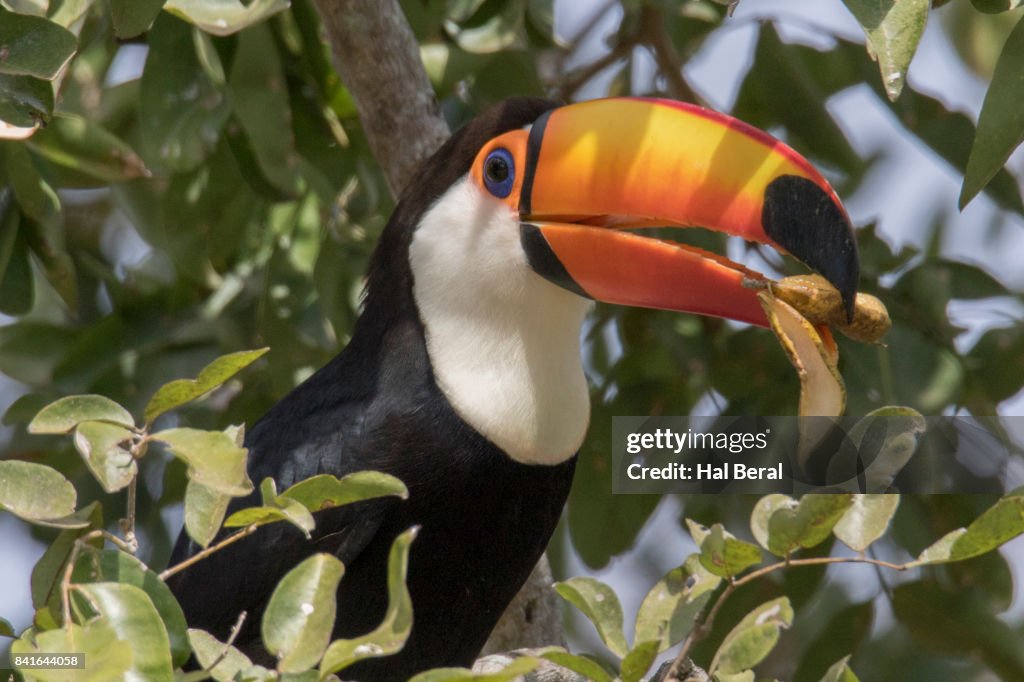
[{"x": 485, "y": 519}]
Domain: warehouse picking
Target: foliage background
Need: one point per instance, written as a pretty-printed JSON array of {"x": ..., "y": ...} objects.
[{"x": 232, "y": 202}]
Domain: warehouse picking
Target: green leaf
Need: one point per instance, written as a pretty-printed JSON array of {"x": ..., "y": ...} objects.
[
  {"x": 590, "y": 669},
  {"x": 324, "y": 491},
  {"x": 6, "y": 629},
  {"x": 542, "y": 14},
  {"x": 46, "y": 239},
  {"x": 25, "y": 101},
  {"x": 501, "y": 31},
  {"x": 753, "y": 638},
  {"x": 721, "y": 552},
  {"x": 698, "y": 532},
  {"x": 810, "y": 127},
  {"x": 956, "y": 623},
  {"x": 744, "y": 676},
  {"x": 213, "y": 458},
  {"x": 300, "y": 615},
  {"x": 1000, "y": 523},
  {"x": 274, "y": 508},
  {"x": 35, "y": 196},
  {"x": 108, "y": 656},
  {"x": 893, "y": 31},
  {"x": 884, "y": 441},
  {"x": 204, "y": 512},
  {"x": 866, "y": 520},
  {"x": 1001, "y": 122},
  {"x": 601, "y": 606},
  {"x": 263, "y": 108},
  {"x": 806, "y": 525},
  {"x": 49, "y": 570},
  {"x": 762, "y": 514},
  {"x": 62, "y": 416},
  {"x": 66, "y": 12},
  {"x": 513, "y": 671},
  {"x": 35, "y": 492},
  {"x": 17, "y": 288},
  {"x": 997, "y": 362},
  {"x": 84, "y": 146},
  {"x": 182, "y": 105},
  {"x": 132, "y": 17},
  {"x": 258, "y": 673},
  {"x": 181, "y": 391},
  {"x": 639, "y": 660},
  {"x": 102, "y": 447},
  {"x": 841, "y": 633},
  {"x": 224, "y": 17},
  {"x": 995, "y": 6},
  {"x": 390, "y": 636},
  {"x": 601, "y": 525},
  {"x": 134, "y": 619},
  {"x": 840, "y": 672},
  {"x": 33, "y": 46},
  {"x": 209, "y": 649},
  {"x": 114, "y": 566},
  {"x": 668, "y": 611}
]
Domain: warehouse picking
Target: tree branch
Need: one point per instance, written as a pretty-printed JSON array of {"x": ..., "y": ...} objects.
[{"x": 378, "y": 59}]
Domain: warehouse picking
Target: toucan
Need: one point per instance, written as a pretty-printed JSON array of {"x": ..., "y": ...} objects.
[{"x": 463, "y": 376}]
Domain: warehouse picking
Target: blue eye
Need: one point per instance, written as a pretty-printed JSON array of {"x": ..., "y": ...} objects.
[{"x": 499, "y": 173}]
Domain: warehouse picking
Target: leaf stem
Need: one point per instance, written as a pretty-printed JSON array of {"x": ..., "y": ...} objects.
[
  {"x": 199, "y": 556},
  {"x": 128, "y": 522}
]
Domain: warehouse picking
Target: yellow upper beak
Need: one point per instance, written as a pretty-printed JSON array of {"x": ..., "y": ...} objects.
[{"x": 631, "y": 162}]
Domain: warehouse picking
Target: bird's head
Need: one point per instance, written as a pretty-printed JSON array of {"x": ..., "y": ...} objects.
[{"x": 525, "y": 215}]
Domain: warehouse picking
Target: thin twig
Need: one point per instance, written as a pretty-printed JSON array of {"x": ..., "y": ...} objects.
[
  {"x": 139, "y": 445},
  {"x": 76, "y": 549},
  {"x": 699, "y": 632},
  {"x": 199, "y": 556},
  {"x": 235, "y": 629},
  {"x": 577, "y": 79},
  {"x": 703, "y": 629},
  {"x": 652, "y": 27},
  {"x": 128, "y": 522},
  {"x": 591, "y": 23}
]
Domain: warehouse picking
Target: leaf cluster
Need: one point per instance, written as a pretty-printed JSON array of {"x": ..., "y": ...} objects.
[{"x": 111, "y": 606}]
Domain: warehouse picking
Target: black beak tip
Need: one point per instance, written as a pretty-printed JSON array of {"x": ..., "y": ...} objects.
[{"x": 802, "y": 218}]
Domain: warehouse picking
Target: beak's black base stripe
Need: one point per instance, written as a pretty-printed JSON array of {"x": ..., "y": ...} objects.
[
  {"x": 544, "y": 261},
  {"x": 801, "y": 218},
  {"x": 532, "y": 155}
]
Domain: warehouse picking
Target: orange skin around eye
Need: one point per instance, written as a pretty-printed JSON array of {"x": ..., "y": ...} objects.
[{"x": 515, "y": 143}]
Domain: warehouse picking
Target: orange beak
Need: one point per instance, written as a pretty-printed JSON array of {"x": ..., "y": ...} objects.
[{"x": 593, "y": 169}]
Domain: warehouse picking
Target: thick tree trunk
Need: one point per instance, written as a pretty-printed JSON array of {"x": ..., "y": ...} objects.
[{"x": 378, "y": 59}]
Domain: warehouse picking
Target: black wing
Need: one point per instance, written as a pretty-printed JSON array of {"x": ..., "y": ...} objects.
[{"x": 311, "y": 431}]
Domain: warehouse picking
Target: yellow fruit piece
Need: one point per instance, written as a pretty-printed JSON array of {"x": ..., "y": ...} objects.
[
  {"x": 820, "y": 303},
  {"x": 822, "y": 393}
]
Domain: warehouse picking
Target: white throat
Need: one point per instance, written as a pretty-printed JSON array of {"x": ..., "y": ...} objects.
[{"x": 503, "y": 342}]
